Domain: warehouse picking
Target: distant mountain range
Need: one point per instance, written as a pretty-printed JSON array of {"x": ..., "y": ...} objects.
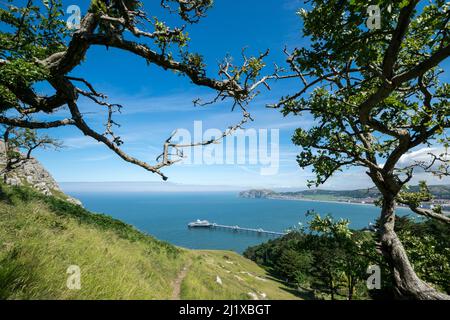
[{"x": 438, "y": 191}]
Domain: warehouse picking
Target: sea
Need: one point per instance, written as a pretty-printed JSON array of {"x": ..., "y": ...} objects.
[{"x": 166, "y": 215}]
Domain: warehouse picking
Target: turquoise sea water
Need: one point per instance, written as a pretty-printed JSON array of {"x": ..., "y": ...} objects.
[{"x": 166, "y": 215}]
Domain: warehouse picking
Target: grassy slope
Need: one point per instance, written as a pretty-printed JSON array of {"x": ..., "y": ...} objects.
[
  {"x": 241, "y": 278},
  {"x": 40, "y": 237}
]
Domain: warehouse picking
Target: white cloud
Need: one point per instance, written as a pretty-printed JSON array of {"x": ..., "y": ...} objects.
[
  {"x": 145, "y": 104},
  {"x": 81, "y": 142},
  {"x": 421, "y": 156}
]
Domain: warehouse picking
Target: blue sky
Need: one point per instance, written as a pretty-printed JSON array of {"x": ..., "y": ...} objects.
[{"x": 156, "y": 102}]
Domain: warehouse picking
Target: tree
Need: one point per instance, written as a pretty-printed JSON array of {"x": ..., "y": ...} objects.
[
  {"x": 341, "y": 256},
  {"x": 428, "y": 245},
  {"x": 36, "y": 46},
  {"x": 294, "y": 264},
  {"x": 327, "y": 259},
  {"x": 375, "y": 96},
  {"x": 18, "y": 144}
]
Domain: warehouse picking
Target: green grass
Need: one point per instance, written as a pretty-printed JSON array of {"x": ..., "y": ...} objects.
[
  {"x": 240, "y": 277},
  {"x": 40, "y": 237}
]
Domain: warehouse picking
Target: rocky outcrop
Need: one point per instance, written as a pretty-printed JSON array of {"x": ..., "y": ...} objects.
[
  {"x": 31, "y": 173},
  {"x": 257, "y": 194}
]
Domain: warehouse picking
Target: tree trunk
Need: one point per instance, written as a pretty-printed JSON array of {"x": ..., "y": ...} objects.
[
  {"x": 351, "y": 288},
  {"x": 407, "y": 283},
  {"x": 331, "y": 284}
]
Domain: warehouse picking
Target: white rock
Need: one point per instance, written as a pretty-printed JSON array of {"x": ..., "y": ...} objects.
[
  {"x": 74, "y": 201},
  {"x": 239, "y": 278},
  {"x": 31, "y": 172},
  {"x": 254, "y": 296}
]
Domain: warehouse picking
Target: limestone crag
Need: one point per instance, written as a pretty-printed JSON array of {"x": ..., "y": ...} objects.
[{"x": 31, "y": 173}]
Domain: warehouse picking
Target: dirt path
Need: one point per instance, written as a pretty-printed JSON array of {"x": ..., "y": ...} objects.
[{"x": 179, "y": 280}]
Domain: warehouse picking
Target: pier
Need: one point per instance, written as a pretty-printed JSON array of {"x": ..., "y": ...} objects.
[
  {"x": 207, "y": 224},
  {"x": 237, "y": 228}
]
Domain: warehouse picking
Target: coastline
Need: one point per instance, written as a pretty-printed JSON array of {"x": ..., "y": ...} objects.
[
  {"x": 323, "y": 201},
  {"x": 336, "y": 202}
]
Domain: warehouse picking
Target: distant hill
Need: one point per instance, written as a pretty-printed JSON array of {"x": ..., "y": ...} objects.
[{"x": 438, "y": 191}]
